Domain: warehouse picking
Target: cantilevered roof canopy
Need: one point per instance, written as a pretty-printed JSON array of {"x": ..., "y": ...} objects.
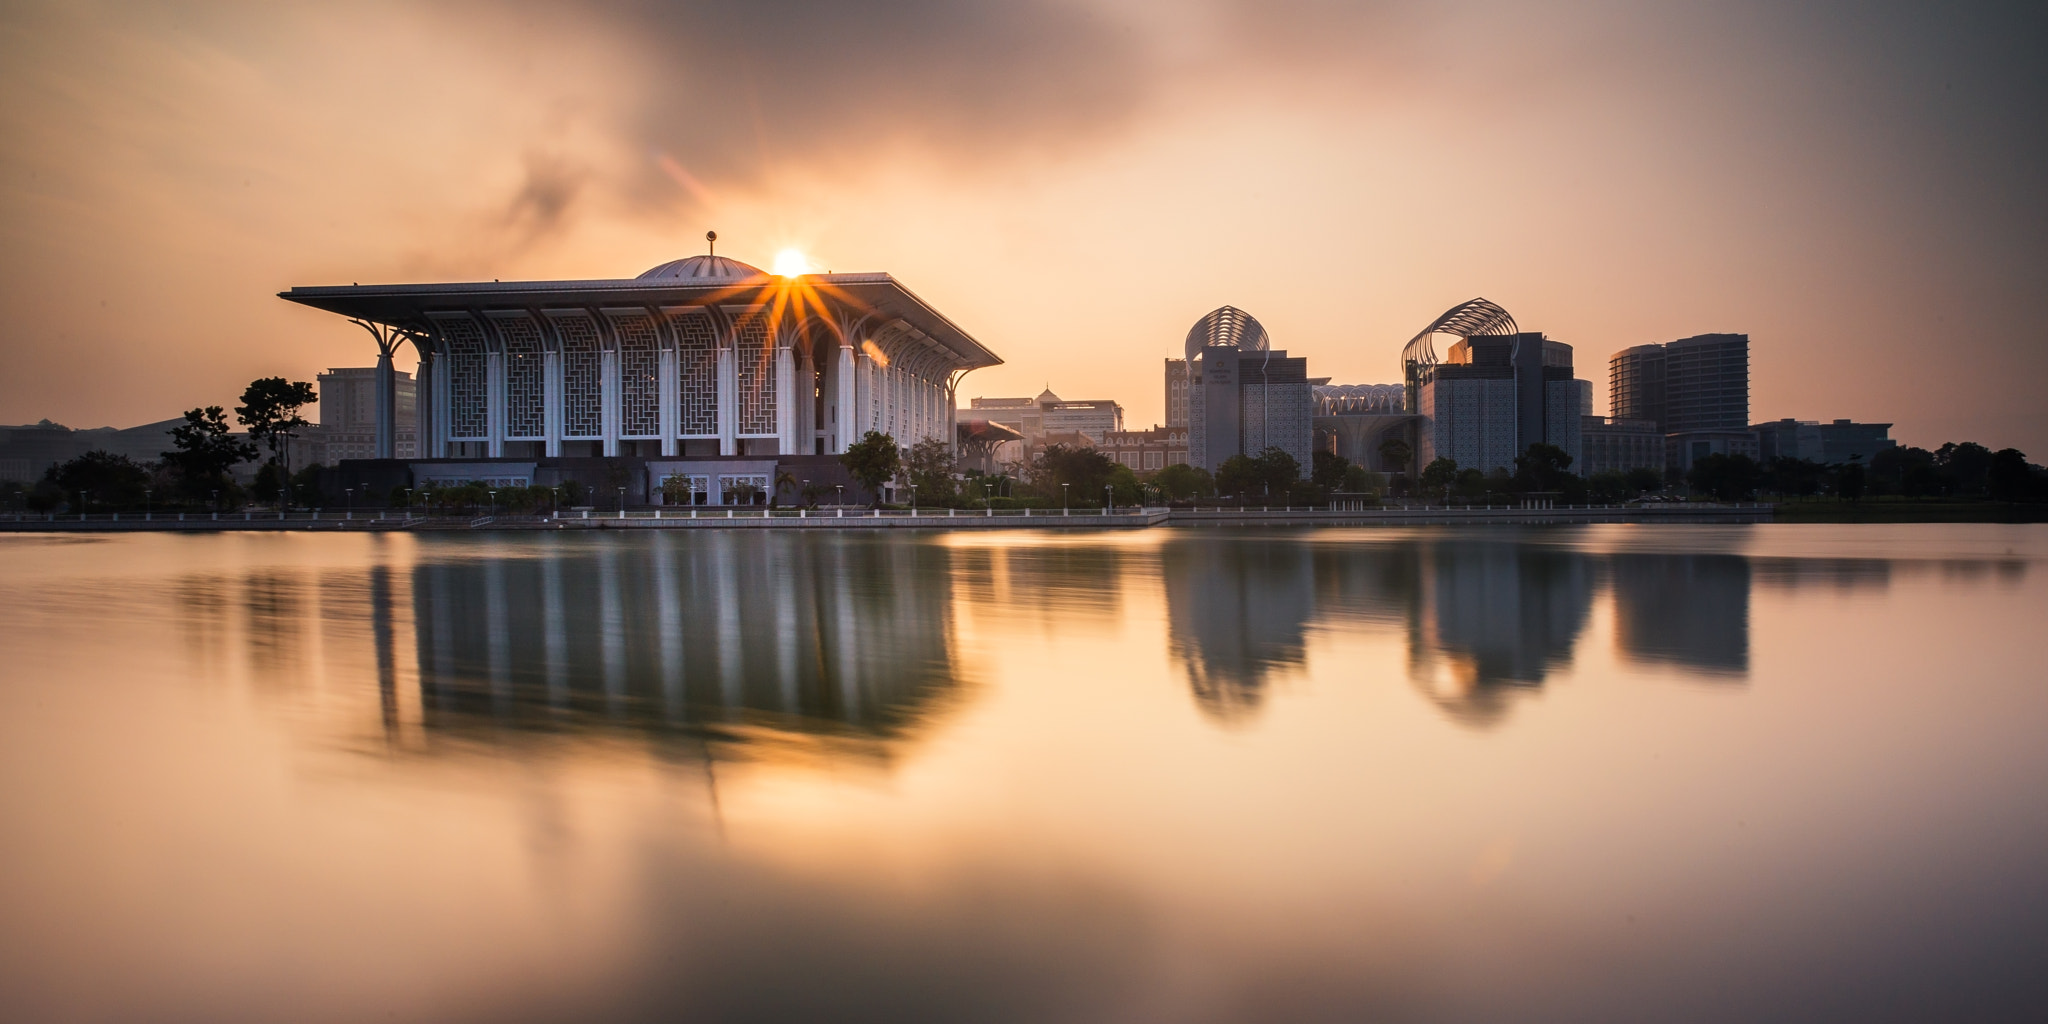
[{"x": 867, "y": 303}]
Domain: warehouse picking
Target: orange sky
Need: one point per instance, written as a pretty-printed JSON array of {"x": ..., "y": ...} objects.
[{"x": 1855, "y": 186}]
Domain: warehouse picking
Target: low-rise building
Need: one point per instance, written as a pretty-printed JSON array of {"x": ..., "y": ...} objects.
[
  {"x": 1681, "y": 450},
  {"x": 1826, "y": 443},
  {"x": 1146, "y": 451},
  {"x": 1614, "y": 445}
]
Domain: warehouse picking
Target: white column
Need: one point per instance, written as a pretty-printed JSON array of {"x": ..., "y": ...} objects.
[
  {"x": 843, "y": 432},
  {"x": 494, "y": 402},
  {"x": 671, "y": 401},
  {"x": 551, "y": 400},
  {"x": 608, "y": 393},
  {"x": 728, "y": 403},
  {"x": 785, "y": 401}
]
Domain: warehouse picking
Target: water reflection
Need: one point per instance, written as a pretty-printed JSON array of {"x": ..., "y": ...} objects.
[
  {"x": 1484, "y": 617},
  {"x": 832, "y": 635}
]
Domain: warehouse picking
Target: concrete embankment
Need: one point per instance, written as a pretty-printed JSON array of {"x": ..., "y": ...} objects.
[{"x": 865, "y": 519}]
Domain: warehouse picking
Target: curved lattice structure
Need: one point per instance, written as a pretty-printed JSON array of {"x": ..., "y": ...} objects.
[
  {"x": 1359, "y": 399},
  {"x": 1227, "y": 326},
  {"x": 1471, "y": 319}
]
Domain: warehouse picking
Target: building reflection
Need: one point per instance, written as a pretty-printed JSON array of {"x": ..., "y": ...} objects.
[
  {"x": 1691, "y": 611},
  {"x": 726, "y": 631},
  {"x": 1494, "y": 619},
  {"x": 1485, "y": 621},
  {"x": 1237, "y": 612}
]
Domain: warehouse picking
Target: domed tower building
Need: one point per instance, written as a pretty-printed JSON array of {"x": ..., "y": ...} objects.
[
  {"x": 702, "y": 369},
  {"x": 1243, "y": 396}
]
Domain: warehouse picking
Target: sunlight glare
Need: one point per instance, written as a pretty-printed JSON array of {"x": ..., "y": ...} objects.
[{"x": 791, "y": 263}]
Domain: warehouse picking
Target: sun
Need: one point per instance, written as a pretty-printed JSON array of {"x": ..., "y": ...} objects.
[{"x": 792, "y": 263}]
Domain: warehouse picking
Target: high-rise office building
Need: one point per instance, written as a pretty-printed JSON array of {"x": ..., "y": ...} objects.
[
  {"x": 1635, "y": 381},
  {"x": 348, "y": 416},
  {"x": 1706, "y": 383},
  {"x": 1696, "y": 383},
  {"x": 1493, "y": 397},
  {"x": 1243, "y": 397}
]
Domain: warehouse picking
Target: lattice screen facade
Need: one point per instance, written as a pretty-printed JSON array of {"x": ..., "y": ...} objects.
[
  {"x": 639, "y": 376},
  {"x": 468, "y": 416},
  {"x": 582, "y": 378},
  {"x": 525, "y": 402},
  {"x": 756, "y": 358},
  {"x": 697, "y": 373}
]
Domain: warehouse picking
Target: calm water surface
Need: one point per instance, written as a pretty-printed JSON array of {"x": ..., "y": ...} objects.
[{"x": 1603, "y": 773}]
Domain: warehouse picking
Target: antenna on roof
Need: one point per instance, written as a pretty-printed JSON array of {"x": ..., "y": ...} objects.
[{"x": 711, "y": 239}]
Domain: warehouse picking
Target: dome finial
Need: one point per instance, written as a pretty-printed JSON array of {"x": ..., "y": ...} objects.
[{"x": 711, "y": 239}]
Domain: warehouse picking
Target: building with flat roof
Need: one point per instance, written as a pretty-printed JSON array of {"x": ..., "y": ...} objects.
[
  {"x": 1615, "y": 445},
  {"x": 348, "y": 416},
  {"x": 1047, "y": 414},
  {"x": 1358, "y": 418},
  {"x": 1176, "y": 392},
  {"x": 1830, "y": 444},
  {"x": 1683, "y": 449}
]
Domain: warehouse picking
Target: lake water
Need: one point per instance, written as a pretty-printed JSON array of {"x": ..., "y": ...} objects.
[{"x": 1553, "y": 774}]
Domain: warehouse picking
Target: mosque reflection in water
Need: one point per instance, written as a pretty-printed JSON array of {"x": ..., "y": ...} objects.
[
  {"x": 854, "y": 636},
  {"x": 718, "y": 632}
]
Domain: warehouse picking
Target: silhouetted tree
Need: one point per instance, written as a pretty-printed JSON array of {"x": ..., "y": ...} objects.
[
  {"x": 270, "y": 409},
  {"x": 204, "y": 451},
  {"x": 872, "y": 460},
  {"x": 1727, "y": 477},
  {"x": 1083, "y": 470},
  {"x": 1182, "y": 482},
  {"x": 2009, "y": 478},
  {"x": 1542, "y": 467},
  {"x": 1440, "y": 473},
  {"x": 1396, "y": 453},
  {"x": 1329, "y": 469},
  {"x": 111, "y": 481},
  {"x": 929, "y": 463}
]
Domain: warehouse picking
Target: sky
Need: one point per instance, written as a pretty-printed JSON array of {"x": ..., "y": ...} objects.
[{"x": 1856, "y": 186}]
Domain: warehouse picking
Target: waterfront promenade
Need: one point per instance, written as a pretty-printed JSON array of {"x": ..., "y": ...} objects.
[{"x": 884, "y": 519}]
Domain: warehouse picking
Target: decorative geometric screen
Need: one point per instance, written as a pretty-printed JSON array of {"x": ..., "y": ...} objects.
[
  {"x": 697, "y": 370},
  {"x": 582, "y": 370},
  {"x": 756, "y": 357},
  {"x": 639, "y": 375},
  {"x": 525, "y": 410},
  {"x": 468, "y": 419}
]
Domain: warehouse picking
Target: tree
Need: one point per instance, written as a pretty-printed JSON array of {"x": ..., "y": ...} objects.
[
  {"x": 1083, "y": 470},
  {"x": 677, "y": 490},
  {"x": 1360, "y": 480},
  {"x": 1643, "y": 479},
  {"x": 930, "y": 466},
  {"x": 1440, "y": 473},
  {"x": 1799, "y": 477},
  {"x": 1236, "y": 475},
  {"x": 1329, "y": 469},
  {"x": 1397, "y": 453},
  {"x": 1182, "y": 482},
  {"x": 1849, "y": 479},
  {"x": 1609, "y": 487},
  {"x": 1727, "y": 477},
  {"x": 1542, "y": 467},
  {"x": 204, "y": 451},
  {"x": 108, "y": 480},
  {"x": 2009, "y": 477},
  {"x": 270, "y": 409},
  {"x": 1963, "y": 465},
  {"x": 1277, "y": 472},
  {"x": 872, "y": 461}
]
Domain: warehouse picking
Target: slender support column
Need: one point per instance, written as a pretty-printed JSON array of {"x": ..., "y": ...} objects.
[
  {"x": 844, "y": 435},
  {"x": 609, "y": 393},
  {"x": 444, "y": 420},
  {"x": 494, "y": 403},
  {"x": 785, "y": 402},
  {"x": 670, "y": 402},
  {"x": 423, "y": 404},
  {"x": 386, "y": 387},
  {"x": 728, "y": 402},
  {"x": 551, "y": 400}
]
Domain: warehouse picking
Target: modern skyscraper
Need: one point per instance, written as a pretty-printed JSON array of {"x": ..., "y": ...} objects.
[
  {"x": 1696, "y": 383},
  {"x": 1635, "y": 380},
  {"x": 1706, "y": 383}
]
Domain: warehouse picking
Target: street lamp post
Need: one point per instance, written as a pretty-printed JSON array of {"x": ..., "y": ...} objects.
[
  {"x": 1108, "y": 499},
  {"x": 349, "y": 497},
  {"x": 148, "y": 507},
  {"x": 1063, "y": 499},
  {"x": 841, "y": 498},
  {"x": 494, "y": 502},
  {"x": 81, "y": 504},
  {"x": 622, "y": 503},
  {"x": 806, "y": 496}
]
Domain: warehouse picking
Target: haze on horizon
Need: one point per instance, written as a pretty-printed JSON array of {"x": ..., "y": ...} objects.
[{"x": 1856, "y": 186}]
